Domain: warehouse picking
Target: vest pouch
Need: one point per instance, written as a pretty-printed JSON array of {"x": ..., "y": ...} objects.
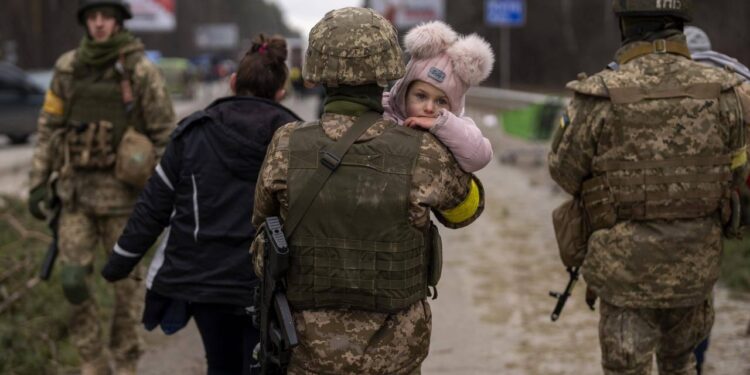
[
  {"x": 89, "y": 145},
  {"x": 136, "y": 159},
  {"x": 597, "y": 200},
  {"x": 571, "y": 231},
  {"x": 436, "y": 256}
]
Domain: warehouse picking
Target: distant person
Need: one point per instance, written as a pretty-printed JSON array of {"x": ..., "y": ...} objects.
[
  {"x": 700, "y": 50},
  {"x": 652, "y": 153},
  {"x": 105, "y": 97},
  {"x": 203, "y": 193},
  {"x": 363, "y": 251},
  {"x": 432, "y": 94}
]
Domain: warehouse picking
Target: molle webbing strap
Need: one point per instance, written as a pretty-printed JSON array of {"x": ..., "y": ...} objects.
[
  {"x": 625, "y": 95},
  {"x": 670, "y": 179},
  {"x": 329, "y": 161},
  {"x": 657, "y": 46},
  {"x": 325, "y": 283},
  {"x": 690, "y": 161}
]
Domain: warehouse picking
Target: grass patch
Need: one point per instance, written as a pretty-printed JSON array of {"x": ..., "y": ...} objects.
[
  {"x": 34, "y": 338},
  {"x": 735, "y": 267}
]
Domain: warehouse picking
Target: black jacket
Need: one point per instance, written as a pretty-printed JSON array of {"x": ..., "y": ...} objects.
[{"x": 202, "y": 192}]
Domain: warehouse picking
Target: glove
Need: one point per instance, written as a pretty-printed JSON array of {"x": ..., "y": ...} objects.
[
  {"x": 118, "y": 267},
  {"x": 591, "y": 298},
  {"x": 37, "y": 196}
]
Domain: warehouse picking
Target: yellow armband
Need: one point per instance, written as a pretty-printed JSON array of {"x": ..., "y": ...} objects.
[
  {"x": 466, "y": 209},
  {"x": 53, "y": 105},
  {"x": 739, "y": 158}
]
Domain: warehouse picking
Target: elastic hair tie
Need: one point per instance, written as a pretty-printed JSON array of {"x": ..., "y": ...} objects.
[{"x": 263, "y": 48}]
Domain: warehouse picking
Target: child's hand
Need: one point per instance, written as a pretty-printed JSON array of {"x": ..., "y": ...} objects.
[{"x": 420, "y": 122}]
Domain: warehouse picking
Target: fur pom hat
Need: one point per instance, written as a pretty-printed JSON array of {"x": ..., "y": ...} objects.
[{"x": 445, "y": 60}]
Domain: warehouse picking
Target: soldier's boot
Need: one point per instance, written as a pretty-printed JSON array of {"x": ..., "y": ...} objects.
[{"x": 96, "y": 367}]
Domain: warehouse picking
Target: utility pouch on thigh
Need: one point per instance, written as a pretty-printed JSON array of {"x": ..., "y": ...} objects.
[
  {"x": 436, "y": 256},
  {"x": 73, "y": 279},
  {"x": 136, "y": 159},
  {"x": 571, "y": 231}
]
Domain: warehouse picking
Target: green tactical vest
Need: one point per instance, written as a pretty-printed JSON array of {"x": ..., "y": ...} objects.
[
  {"x": 96, "y": 115},
  {"x": 355, "y": 247},
  {"x": 667, "y": 153}
]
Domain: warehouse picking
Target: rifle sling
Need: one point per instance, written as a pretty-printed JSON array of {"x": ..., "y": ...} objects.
[{"x": 330, "y": 158}]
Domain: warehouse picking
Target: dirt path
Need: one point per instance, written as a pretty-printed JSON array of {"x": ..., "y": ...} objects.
[{"x": 492, "y": 316}]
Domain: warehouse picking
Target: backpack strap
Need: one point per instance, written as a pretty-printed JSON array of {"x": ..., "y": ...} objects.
[{"x": 330, "y": 158}]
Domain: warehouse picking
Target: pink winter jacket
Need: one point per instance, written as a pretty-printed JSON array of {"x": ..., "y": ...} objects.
[{"x": 461, "y": 135}]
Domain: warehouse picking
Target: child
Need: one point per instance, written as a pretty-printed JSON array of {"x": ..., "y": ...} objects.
[{"x": 431, "y": 94}]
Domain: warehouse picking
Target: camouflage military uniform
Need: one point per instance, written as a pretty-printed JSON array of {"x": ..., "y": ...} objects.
[
  {"x": 95, "y": 205},
  {"x": 341, "y": 341},
  {"x": 653, "y": 271}
]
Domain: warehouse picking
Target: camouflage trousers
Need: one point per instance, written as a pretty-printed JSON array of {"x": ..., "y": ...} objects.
[
  {"x": 81, "y": 236},
  {"x": 630, "y": 337},
  {"x": 340, "y": 341}
]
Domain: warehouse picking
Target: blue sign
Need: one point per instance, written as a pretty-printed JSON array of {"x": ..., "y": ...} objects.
[{"x": 505, "y": 13}]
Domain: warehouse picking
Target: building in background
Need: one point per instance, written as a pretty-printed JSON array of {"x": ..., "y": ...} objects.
[
  {"x": 559, "y": 38},
  {"x": 33, "y": 33}
]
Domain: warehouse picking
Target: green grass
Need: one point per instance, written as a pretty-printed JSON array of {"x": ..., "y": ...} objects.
[
  {"x": 33, "y": 331},
  {"x": 735, "y": 272}
]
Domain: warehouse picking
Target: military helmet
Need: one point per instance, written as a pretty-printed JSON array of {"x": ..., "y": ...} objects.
[
  {"x": 353, "y": 46},
  {"x": 678, "y": 8},
  {"x": 697, "y": 40},
  {"x": 121, "y": 5}
]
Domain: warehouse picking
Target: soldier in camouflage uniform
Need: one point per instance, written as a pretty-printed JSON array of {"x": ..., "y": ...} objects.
[
  {"x": 654, "y": 147},
  {"x": 360, "y": 306},
  {"x": 98, "y": 90}
]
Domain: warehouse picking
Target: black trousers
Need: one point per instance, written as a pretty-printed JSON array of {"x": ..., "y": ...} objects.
[{"x": 228, "y": 337}]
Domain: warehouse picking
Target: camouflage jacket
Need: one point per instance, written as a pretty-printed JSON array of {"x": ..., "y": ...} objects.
[
  {"x": 98, "y": 191},
  {"x": 655, "y": 263},
  {"x": 340, "y": 341}
]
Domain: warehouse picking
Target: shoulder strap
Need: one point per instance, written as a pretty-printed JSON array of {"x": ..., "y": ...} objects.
[{"x": 330, "y": 159}]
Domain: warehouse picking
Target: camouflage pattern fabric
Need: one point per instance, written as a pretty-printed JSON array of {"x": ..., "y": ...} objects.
[
  {"x": 81, "y": 236},
  {"x": 657, "y": 263},
  {"x": 154, "y": 108},
  {"x": 629, "y": 338},
  {"x": 96, "y": 205},
  {"x": 335, "y": 341},
  {"x": 353, "y": 46}
]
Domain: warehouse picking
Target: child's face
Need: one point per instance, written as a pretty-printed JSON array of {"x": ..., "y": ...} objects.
[{"x": 425, "y": 100}]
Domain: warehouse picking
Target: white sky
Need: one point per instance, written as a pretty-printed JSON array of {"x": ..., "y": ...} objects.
[{"x": 302, "y": 15}]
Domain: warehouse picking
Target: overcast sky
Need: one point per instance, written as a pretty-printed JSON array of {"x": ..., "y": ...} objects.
[{"x": 302, "y": 15}]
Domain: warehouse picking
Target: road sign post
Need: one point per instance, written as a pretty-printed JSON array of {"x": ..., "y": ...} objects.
[{"x": 505, "y": 14}]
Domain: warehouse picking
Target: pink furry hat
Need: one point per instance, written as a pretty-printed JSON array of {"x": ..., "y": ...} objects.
[{"x": 445, "y": 60}]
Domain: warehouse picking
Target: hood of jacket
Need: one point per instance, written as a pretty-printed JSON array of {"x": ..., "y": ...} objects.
[{"x": 242, "y": 129}]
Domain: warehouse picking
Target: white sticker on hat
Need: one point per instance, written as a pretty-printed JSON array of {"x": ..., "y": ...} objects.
[{"x": 436, "y": 74}]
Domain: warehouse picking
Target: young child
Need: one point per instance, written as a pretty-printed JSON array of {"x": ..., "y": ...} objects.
[{"x": 431, "y": 94}]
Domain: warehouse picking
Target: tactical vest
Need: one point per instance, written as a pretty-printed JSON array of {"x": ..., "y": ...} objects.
[
  {"x": 666, "y": 151},
  {"x": 355, "y": 247},
  {"x": 96, "y": 116}
]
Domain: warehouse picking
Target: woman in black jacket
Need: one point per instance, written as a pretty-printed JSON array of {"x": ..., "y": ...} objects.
[{"x": 202, "y": 193}]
